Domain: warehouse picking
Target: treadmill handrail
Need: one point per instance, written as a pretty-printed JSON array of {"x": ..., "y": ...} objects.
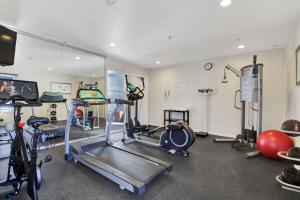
[
  {"x": 60, "y": 101},
  {"x": 84, "y": 103},
  {"x": 120, "y": 101},
  {"x": 79, "y": 102}
]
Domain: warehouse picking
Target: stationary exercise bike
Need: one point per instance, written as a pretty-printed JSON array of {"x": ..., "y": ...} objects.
[
  {"x": 175, "y": 138},
  {"x": 23, "y": 156}
]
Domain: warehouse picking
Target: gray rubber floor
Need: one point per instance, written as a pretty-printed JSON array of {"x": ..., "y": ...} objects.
[{"x": 211, "y": 172}]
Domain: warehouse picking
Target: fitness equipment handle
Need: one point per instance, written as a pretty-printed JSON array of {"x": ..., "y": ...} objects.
[
  {"x": 254, "y": 67},
  {"x": 16, "y": 101},
  {"x": 143, "y": 81},
  {"x": 80, "y": 102},
  {"x": 141, "y": 78},
  {"x": 126, "y": 78}
]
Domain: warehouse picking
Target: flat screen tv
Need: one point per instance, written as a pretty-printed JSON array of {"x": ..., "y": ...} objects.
[
  {"x": 25, "y": 89},
  {"x": 8, "y": 40}
]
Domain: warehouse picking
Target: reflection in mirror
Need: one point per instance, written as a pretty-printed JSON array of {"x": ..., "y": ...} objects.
[
  {"x": 35, "y": 60},
  {"x": 298, "y": 65},
  {"x": 116, "y": 90},
  {"x": 82, "y": 70},
  {"x": 58, "y": 70}
]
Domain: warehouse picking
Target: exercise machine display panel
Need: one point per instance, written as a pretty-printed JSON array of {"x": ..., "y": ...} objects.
[
  {"x": 92, "y": 96},
  {"x": 26, "y": 89}
]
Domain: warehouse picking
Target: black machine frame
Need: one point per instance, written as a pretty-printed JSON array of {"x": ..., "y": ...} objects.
[
  {"x": 173, "y": 138},
  {"x": 247, "y": 136},
  {"x": 23, "y": 157}
]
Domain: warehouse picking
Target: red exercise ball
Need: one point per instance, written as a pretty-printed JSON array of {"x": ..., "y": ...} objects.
[{"x": 271, "y": 142}]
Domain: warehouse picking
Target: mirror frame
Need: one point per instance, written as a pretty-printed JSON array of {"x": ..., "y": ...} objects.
[{"x": 297, "y": 65}]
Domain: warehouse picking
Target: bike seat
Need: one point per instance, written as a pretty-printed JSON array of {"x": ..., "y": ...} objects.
[{"x": 37, "y": 121}]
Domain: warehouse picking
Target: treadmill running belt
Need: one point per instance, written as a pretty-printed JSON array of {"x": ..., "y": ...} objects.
[{"x": 132, "y": 165}]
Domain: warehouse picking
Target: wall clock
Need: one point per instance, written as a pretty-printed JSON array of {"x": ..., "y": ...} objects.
[{"x": 208, "y": 66}]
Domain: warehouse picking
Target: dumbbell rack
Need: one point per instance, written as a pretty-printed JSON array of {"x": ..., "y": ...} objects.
[
  {"x": 53, "y": 117},
  {"x": 279, "y": 179}
]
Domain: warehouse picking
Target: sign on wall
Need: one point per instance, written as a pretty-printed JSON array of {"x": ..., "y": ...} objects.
[
  {"x": 181, "y": 86},
  {"x": 64, "y": 88}
]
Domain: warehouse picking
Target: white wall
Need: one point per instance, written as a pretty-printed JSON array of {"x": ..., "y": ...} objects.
[
  {"x": 113, "y": 64},
  {"x": 293, "y": 106},
  {"x": 224, "y": 119}
]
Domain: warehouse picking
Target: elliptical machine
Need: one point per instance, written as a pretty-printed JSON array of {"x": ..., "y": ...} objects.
[
  {"x": 23, "y": 156},
  {"x": 174, "y": 138}
]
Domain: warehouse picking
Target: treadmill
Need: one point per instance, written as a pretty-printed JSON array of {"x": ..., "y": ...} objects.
[
  {"x": 55, "y": 128},
  {"x": 130, "y": 170}
]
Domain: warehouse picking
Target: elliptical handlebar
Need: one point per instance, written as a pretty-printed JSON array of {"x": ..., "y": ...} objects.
[
  {"x": 142, "y": 79},
  {"x": 127, "y": 83},
  {"x": 137, "y": 90},
  {"x": 254, "y": 69},
  {"x": 17, "y": 101}
]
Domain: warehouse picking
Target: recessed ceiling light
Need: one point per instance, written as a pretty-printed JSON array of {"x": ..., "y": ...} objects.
[
  {"x": 6, "y": 37},
  {"x": 77, "y": 58},
  {"x": 112, "y": 44},
  {"x": 110, "y": 2},
  {"x": 178, "y": 53},
  {"x": 93, "y": 75},
  {"x": 50, "y": 68},
  {"x": 225, "y": 3},
  {"x": 241, "y": 46},
  {"x": 157, "y": 62}
]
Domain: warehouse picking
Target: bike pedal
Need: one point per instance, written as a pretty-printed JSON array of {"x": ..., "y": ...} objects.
[
  {"x": 48, "y": 158},
  {"x": 9, "y": 196}
]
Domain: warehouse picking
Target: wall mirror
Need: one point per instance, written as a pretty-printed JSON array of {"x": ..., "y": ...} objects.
[
  {"x": 58, "y": 68},
  {"x": 298, "y": 66},
  {"x": 84, "y": 70}
]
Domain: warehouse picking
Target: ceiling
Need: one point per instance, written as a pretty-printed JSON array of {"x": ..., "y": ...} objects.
[{"x": 200, "y": 29}]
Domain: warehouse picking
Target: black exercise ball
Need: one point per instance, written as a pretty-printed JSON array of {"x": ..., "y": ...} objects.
[
  {"x": 291, "y": 176},
  {"x": 291, "y": 125},
  {"x": 294, "y": 153}
]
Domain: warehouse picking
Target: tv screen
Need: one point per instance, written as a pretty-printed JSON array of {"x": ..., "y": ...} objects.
[
  {"x": 26, "y": 89},
  {"x": 8, "y": 40}
]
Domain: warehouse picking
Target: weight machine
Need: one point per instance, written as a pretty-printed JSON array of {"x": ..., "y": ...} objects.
[{"x": 251, "y": 82}]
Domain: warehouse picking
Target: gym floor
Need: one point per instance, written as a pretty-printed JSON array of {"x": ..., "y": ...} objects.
[{"x": 212, "y": 171}]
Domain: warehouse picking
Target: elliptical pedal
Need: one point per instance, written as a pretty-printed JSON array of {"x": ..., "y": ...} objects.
[
  {"x": 47, "y": 158},
  {"x": 172, "y": 151}
]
